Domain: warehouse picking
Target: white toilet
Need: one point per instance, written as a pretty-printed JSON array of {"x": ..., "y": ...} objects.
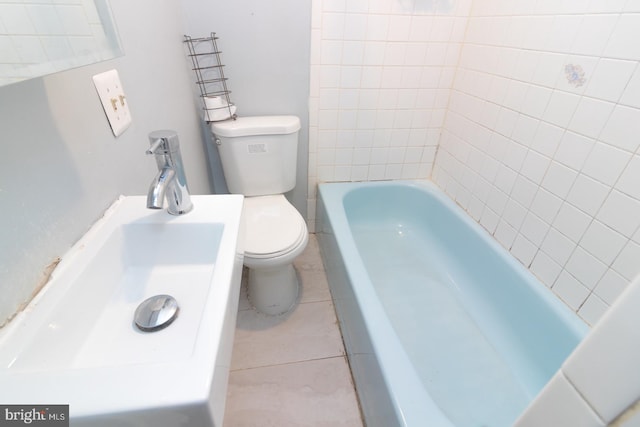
[{"x": 258, "y": 156}]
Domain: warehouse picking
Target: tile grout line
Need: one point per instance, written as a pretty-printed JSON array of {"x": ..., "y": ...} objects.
[{"x": 295, "y": 362}]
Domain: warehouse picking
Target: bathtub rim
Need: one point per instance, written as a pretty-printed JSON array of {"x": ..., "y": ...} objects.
[
  {"x": 417, "y": 405},
  {"x": 386, "y": 352},
  {"x": 578, "y": 326}
]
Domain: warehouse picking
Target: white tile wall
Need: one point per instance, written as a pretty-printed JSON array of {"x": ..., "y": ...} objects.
[
  {"x": 532, "y": 107},
  {"x": 381, "y": 75},
  {"x": 540, "y": 142}
]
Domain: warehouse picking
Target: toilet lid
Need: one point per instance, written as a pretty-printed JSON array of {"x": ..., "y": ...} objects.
[{"x": 272, "y": 226}]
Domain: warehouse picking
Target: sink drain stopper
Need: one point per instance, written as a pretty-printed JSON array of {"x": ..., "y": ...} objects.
[{"x": 156, "y": 313}]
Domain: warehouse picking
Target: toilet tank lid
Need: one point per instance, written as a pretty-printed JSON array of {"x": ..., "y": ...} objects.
[{"x": 257, "y": 125}]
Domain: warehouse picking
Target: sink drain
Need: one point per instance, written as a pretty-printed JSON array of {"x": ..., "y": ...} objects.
[{"x": 156, "y": 313}]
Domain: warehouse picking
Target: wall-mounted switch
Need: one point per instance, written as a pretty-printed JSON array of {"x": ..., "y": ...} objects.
[{"x": 113, "y": 100}]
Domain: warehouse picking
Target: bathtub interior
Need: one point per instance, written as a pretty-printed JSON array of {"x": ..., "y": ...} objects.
[
  {"x": 509, "y": 310},
  {"x": 519, "y": 314}
]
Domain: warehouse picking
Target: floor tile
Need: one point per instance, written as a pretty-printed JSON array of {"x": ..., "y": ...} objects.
[
  {"x": 290, "y": 370},
  {"x": 313, "y": 279},
  {"x": 308, "y": 332},
  {"x": 316, "y": 393}
]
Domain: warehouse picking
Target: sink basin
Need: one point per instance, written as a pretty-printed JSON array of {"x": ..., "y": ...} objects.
[{"x": 77, "y": 342}]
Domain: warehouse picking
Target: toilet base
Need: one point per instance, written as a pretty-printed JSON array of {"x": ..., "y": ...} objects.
[{"x": 273, "y": 291}]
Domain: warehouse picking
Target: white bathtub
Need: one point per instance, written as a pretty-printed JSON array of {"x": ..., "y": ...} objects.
[{"x": 442, "y": 326}]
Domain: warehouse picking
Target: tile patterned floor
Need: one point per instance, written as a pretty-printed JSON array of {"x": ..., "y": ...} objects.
[{"x": 291, "y": 370}]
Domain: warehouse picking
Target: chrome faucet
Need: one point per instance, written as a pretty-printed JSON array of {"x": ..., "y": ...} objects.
[{"x": 170, "y": 182}]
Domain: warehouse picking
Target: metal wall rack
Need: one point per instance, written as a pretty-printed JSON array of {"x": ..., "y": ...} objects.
[{"x": 210, "y": 79}]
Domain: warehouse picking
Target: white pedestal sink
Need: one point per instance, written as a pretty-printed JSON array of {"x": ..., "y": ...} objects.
[{"x": 77, "y": 343}]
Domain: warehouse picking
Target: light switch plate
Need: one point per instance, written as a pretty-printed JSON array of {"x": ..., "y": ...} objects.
[{"x": 113, "y": 99}]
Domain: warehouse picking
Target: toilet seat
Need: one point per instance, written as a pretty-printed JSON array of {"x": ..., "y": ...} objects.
[{"x": 273, "y": 227}]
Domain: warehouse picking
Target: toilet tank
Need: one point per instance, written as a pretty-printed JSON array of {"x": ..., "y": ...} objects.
[{"x": 258, "y": 154}]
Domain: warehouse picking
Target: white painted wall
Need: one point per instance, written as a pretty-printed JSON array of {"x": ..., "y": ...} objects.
[{"x": 62, "y": 167}]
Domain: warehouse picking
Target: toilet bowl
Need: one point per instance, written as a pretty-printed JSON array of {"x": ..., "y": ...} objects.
[
  {"x": 275, "y": 235},
  {"x": 258, "y": 156}
]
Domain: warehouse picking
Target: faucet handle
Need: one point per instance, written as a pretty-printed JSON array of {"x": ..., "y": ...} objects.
[{"x": 155, "y": 145}]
